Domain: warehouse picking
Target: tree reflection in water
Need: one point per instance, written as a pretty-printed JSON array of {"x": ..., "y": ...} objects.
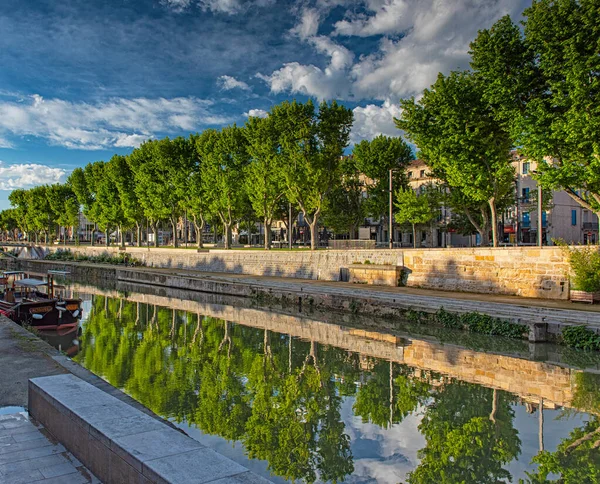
[{"x": 281, "y": 398}]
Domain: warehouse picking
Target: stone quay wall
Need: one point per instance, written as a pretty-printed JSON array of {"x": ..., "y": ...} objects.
[{"x": 520, "y": 271}]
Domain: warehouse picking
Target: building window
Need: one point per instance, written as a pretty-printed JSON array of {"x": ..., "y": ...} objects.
[
  {"x": 422, "y": 174},
  {"x": 410, "y": 174},
  {"x": 544, "y": 219},
  {"x": 525, "y": 167},
  {"x": 573, "y": 217},
  {"x": 526, "y": 219},
  {"x": 525, "y": 195}
]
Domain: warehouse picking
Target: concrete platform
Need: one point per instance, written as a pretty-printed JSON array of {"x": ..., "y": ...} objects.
[
  {"x": 119, "y": 443},
  {"x": 22, "y": 356},
  {"x": 28, "y": 453}
]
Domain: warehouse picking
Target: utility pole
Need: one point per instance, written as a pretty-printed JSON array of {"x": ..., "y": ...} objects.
[
  {"x": 390, "y": 234},
  {"x": 290, "y": 223},
  {"x": 539, "y": 203}
]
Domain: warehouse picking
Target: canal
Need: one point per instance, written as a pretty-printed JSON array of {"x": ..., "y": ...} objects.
[{"x": 296, "y": 396}]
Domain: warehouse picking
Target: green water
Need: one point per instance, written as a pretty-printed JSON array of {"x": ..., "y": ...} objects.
[{"x": 299, "y": 410}]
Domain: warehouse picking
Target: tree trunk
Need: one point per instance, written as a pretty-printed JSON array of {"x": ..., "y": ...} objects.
[
  {"x": 414, "y": 236},
  {"x": 107, "y": 237},
  {"x": 155, "y": 230},
  {"x": 198, "y": 227},
  {"x": 93, "y": 235},
  {"x": 139, "y": 235},
  {"x": 122, "y": 236},
  {"x": 227, "y": 227},
  {"x": 174, "y": 226},
  {"x": 314, "y": 236},
  {"x": 267, "y": 223},
  {"x": 492, "y": 203}
]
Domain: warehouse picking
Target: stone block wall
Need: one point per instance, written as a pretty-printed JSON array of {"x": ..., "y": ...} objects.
[
  {"x": 377, "y": 275},
  {"x": 518, "y": 271}
]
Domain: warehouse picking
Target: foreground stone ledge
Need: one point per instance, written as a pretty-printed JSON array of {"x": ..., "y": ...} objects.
[{"x": 119, "y": 443}]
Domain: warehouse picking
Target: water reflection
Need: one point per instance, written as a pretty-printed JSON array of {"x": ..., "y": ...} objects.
[{"x": 319, "y": 412}]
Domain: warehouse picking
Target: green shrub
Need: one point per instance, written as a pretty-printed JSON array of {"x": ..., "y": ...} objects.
[
  {"x": 105, "y": 258},
  {"x": 581, "y": 338},
  {"x": 479, "y": 323},
  {"x": 585, "y": 267}
]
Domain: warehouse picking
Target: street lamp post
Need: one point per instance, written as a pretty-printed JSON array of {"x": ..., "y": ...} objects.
[
  {"x": 540, "y": 224},
  {"x": 391, "y": 221}
]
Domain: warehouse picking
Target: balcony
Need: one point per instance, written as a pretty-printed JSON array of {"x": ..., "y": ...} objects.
[{"x": 590, "y": 226}]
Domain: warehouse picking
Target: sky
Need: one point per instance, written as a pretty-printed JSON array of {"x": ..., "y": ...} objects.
[{"x": 81, "y": 80}]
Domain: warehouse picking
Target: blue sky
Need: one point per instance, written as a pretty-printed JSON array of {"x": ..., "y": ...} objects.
[{"x": 81, "y": 80}]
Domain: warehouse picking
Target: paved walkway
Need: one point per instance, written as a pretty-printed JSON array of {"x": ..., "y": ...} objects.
[
  {"x": 512, "y": 307},
  {"x": 29, "y": 454},
  {"x": 293, "y": 283},
  {"x": 22, "y": 356}
]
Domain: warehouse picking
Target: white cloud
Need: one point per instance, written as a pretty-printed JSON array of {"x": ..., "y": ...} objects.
[
  {"x": 308, "y": 25},
  {"x": 176, "y": 5},
  {"x": 13, "y": 176},
  {"x": 372, "y": 120},
  {"x": 420, "y": 39},
  {"x": 223, "y": 6},
  {"x": 256, "y": 113},
  {"x": 227, "y": 83},
  {"x": 117, "y": 122},
  {"x": 435, "y": 38},
  {"x": 230, "y": 7},
  {"x": 323, "y": 83}
]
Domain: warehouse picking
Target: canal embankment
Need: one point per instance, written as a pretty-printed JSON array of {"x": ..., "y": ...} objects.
[
  {"x": 543, "y": 319},
  {"x": 530, "y": 272}
]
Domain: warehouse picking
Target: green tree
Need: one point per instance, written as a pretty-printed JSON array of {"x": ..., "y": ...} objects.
[
  {"x": 545, "y": 81},
  {"x": 40, "y": 217},
  {"x": 81, "y": 182},
  {"x": 345, "y": 208},
  {"x": 18, "y": 200},
  {"x": 108, "y": 211},
  {"x": 65, "y": 206},
  {"x": 193, "y": 195},
  {"x": 312, "y": 145},
  {"x": 264, "y": 182},
  {"x": 120, "y": 173},
  {"x": 224, "y": 156},
  {"x": 461, "y": 140},
  {"x": 375, "y": 159},
  {"x": 414, "y": 209},
  {"x": 160, "y": 169},
  {"x": 8, "y": 222}
]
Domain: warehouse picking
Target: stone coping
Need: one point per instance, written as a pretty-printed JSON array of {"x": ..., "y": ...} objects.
[
  {"x": 375, "y": 267},
  {"x": 118, "y": 443}
]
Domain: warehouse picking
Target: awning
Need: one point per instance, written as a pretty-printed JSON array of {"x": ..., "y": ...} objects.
[
  {"x": 30, "y": 283},
  {"x": 12, "y": 273},
  {"x": 508, "y": 229}
]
